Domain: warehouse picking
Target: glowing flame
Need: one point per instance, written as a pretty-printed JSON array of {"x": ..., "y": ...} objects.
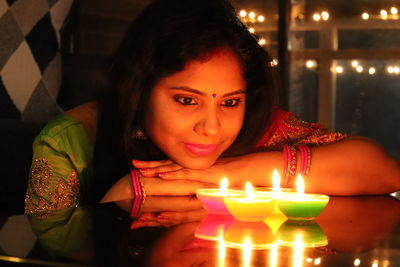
[
  {"x": 221, "y": 249},
  {"x": 298, "y": 251},
  {"x": 249, "y": 191},
  {"x": 223, "y": 186},
  {"x": 300, "y": 185},
  {"x": 273, "y": 256},
  {"x": 276, "y": 181},
  {"x": 246, "y": 256}
]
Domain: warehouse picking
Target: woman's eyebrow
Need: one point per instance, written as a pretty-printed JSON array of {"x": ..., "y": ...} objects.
[{"x": 195, "y": 91}]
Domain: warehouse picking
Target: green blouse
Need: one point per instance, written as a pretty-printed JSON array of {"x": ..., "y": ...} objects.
[{"x": 61, "y": 170}]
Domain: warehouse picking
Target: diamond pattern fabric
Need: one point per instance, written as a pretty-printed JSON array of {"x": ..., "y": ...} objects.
[{"x": 30, "y": 62}]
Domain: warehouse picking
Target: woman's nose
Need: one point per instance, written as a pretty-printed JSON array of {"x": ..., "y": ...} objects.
[{"x": 208, "y": 123}]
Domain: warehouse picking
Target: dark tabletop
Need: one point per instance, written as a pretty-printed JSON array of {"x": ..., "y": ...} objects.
[{"x": 351, "y": 231}]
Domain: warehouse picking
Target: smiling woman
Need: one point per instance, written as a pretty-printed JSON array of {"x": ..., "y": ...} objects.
[
  {"x": 186, "y": 122},
  {"x": 190, "y": 99}
]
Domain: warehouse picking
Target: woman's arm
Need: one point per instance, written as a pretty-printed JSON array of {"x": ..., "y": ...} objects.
[{"x": 353, "y": 166}]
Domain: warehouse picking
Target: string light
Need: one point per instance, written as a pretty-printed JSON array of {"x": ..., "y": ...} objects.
[
  {"x": 310, "y": 64},
  {"x": 339, "y": 69},
  {"x": 384, "y": 14},
  {"x": 359, "y": 69},
  {"x": 325, "y": 15},
  {"x": 317, "y": 261},
  {"x": 396, "y": 70},
  {"x": 394, "y": 11},
  {"x": 365, "y": 16},
  {"x": 274, "y": 62},
  {"x": 262, "y": 41},
  {"x": 357, "y": 262},
  {"x": 252, "y": 15},
  {"x": 375, "y": 263},
  {"x": 371, "y": 70},
  {"x": 316, "y": 17},
  {"x": 260, "y": 18},
  {"x": 390, "y": 69},
  {"x": 252, "y": 30},
  {"x": 354, "y": 63},
  {"x": 308, "y": 260},
  {"x": 243, "y": 13}
]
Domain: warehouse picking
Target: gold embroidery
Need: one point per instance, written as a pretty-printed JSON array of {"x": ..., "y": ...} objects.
[
  {"x": 64, "y": 194},
  {"x": 294, "y": 131}
]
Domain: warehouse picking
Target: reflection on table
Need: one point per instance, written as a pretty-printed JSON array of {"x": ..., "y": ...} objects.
[{"x": 351, "y": 231}]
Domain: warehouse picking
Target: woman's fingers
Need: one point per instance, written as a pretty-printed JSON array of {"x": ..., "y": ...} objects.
[
  {"x": 168, "y": 218},
  {"x": 205, "y": 176},
  {"x": 170, "y": 203},
  {"x": 160, "y": 169},
  {"x": 160, "y": 187},
  {"x": 139, "y": 164}
]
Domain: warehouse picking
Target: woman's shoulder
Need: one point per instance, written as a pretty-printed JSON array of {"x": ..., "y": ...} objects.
[{"x": 80, "y": 118}]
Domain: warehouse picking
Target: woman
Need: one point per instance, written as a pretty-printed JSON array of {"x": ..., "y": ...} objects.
[{"x": 190, "y": 99}]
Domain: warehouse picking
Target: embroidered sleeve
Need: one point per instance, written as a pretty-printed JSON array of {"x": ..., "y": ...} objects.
[
  {"x": 53, "y": 181},
  {"x": 293, "y": 131}
]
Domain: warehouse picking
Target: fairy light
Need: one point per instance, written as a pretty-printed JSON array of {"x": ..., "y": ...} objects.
[
  {"x": 365, "y": 16},
  {"x": 371, "y": 70},
  {"x": 252, "y": 15},
  {"x": 354, "y": 63},
  {"x": 394, "y": 11},
  {"x": 262, "y": 41},
  {"x": 396, "y": 70},
  {"x": 325, "y": 15},
  {"x": 359, "y": 69},
  {"x": 390, "y": 69},
  {"x": 310, "y": 64},
  {"x": 357, "y": 262},
  {"x": 252, "y": 30},
  {"x": 308, "y": 260},
  {"x": 317, "y": 261},
  {"x": 316, "y": 17},
  {"x": 260, "y": 18},
  {"x": 384, "y": 14},
  {"x": 375, "y": 263},
  {"x": 274, "y": 62},
  {"x": 242, "y": 13},
  {"x": 339, "y": 69}
]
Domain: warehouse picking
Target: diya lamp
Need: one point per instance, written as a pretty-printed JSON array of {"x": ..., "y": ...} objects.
[
  {"x": 301, "y": 206},
  {"x": 213, "y": 198},
  {"x": 251, "y": 206}
]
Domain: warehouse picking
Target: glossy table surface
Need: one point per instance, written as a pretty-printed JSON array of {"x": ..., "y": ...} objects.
[{"x": 351, "y": 231}]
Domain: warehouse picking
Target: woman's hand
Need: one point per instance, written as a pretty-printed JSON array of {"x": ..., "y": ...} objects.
[
  {"x": 235, "y": 169},
  {"x": 169, "y": 211},
  {"x": 153, "y": 186}
]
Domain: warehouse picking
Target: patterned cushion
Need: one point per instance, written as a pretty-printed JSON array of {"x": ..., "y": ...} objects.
[{"x": 30, "y": 62}]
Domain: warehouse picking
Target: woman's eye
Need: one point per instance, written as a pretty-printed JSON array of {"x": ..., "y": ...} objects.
[
  {"x": 230, "y": 103},
  {"x": 185, "y": 100}
]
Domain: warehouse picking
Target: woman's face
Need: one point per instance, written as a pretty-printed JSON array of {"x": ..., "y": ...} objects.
[{"x": 194, "y": 115}]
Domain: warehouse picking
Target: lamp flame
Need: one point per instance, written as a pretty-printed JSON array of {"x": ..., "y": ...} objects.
[
  {"x": 249, "y": 190},
  {"x": 300, "y": 185},
  {"x": 276, "y": 181},
  {"x": 223, "y": 186}
]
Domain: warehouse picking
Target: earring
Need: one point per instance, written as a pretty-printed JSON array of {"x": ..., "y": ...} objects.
[{"x": 139, "y": 134}]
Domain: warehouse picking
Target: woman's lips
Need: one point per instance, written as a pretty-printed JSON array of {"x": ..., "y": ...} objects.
[{"x": 200, "y": 149}]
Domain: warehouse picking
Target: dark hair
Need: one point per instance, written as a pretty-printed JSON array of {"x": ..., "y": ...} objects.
[{"x": 161, "y": 40}]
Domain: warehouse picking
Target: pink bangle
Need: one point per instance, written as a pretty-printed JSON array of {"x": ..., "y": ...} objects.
[
  {"x": 305, "y": 159},
  {"x": 138, "y": 192},
  {"x": 290, "y": 165}
]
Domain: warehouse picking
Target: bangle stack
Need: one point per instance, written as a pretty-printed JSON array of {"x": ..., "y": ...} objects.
[
  {"x": 290, "y": 163},
  {"x": 139, "y": 194}
]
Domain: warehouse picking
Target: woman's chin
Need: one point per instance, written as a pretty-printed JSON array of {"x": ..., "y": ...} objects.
[{"x": 197, "y": 164}]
